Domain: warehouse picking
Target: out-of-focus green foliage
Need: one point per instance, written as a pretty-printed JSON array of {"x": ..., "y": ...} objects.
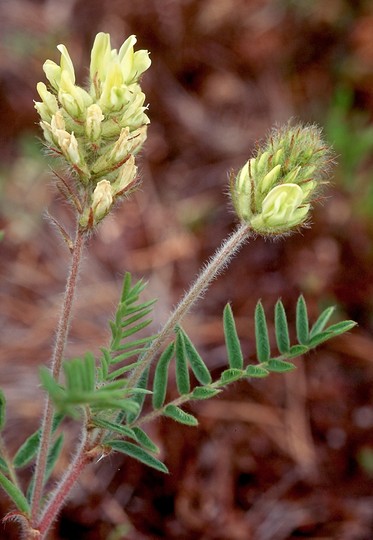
[{"x": 348, "y": 130}]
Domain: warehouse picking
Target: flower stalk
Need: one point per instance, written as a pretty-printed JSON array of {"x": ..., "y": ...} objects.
[{"x": 218, "y": 262}]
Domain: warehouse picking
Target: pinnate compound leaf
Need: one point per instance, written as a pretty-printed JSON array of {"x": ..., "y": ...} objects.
[
  {"x": 322, "y": 321},
  {"x": 232, "y": 341},
  {"x": 279, "y": 366},
  {"x": 204, "y": 392},
  {"x": 263, "y": 350},
  {"x": 302, "y": 321},
  {"x": 145, "y": 441},
  {"x": 177, "y": 414},
  {"x": 230, "y": 375},
  {"x": 182, "y": 373},
  {"x": 15, "y": 494},
  {"x": 161, "y": 376},
  {"x": 256, "y": 372},
  {"x": 281, "y": 328},
  {"x": 198, "y": 366},
  {"x": 138, "y": 453}
]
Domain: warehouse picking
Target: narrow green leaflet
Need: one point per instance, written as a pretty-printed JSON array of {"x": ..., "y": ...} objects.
[
  {"x": 198, "y": 366},
  {"x": 134, "y": 329},
  {"x": 341, "y": 327},
  {"x": 114, "y": 427},
  {"x": 138, "y": 453},
  {"x": 120, "y": 371},
  {"x": 230, "y": 375},
  {"x": 297, "y": 350},
  {"x": 27, "y": 451},
  {"x": 177, "y": 414},
  {"x": 263, "y": 350},
  {"x": 232, "y": 341},
  {"x": 279, "y": 366},
  {"x": 161, "y": 376},
  {"x": 257, "y": 372},
  {"x": 2, "y": 409},
  {"x": 302, "y": 321},
  {"x": 15, "y": 494},
  {"x": 140, "y": 313},
  {"x": 322, "y": 321},
  {"x": 204, "y": 392},
  {"x": 145, "y": 441},
  {"x": 281, "y": 328},
  {"x": 182, "y": 373}
]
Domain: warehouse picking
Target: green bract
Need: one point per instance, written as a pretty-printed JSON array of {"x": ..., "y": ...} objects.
[
  {"x": 274, "y": 190},
  {"x": 97, "y": 129}
]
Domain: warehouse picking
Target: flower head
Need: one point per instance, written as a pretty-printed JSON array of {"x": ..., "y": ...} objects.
[
  {"x": 274, "y": 190},
  {"x": 98, "y": 129}
]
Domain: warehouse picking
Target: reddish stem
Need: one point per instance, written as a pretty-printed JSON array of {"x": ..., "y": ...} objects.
[
  {"x": 82, "y": 458},
  {"x": 56, "y": 363}
]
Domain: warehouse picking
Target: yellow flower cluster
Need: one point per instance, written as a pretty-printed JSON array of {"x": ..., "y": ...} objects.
[{"x": 99, "y": 129}]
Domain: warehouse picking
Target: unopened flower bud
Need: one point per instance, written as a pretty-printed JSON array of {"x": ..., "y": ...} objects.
[
  {"x": 273, "y": 190},
  {"x": 125, "y": 177},
  {"x": 93, "y": 122},
  {"x": 101, "y": 202},
  {"x": 69, "y": 146},
  {"x": 102, "y": 199},
  {"x": 121, "y": 147}
]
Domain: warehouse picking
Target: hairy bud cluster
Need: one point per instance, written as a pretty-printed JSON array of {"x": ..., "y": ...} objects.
[
  {"x": 274, "y": 190},
  {"x": 98, "y": 129}
]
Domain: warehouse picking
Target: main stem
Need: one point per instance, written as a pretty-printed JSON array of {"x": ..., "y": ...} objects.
[
  {"x": 56, "y": 362},
  {"x": 63, "y": 489},
  {"x": 216, "y": 265}
]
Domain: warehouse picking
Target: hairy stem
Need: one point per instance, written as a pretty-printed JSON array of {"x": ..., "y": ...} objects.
[
  {"x": 217, "y": 263},
  {"x": 64, "y": 487},
  {"x": 56, "y": 362}
]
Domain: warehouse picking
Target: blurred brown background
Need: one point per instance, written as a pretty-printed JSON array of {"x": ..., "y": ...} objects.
[{"x": 286, "y": 457}]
